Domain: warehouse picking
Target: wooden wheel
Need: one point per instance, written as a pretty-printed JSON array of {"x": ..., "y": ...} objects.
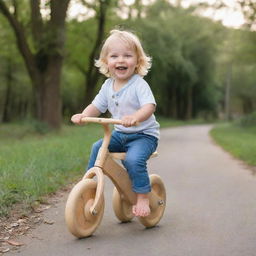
[
  {"x": 80, "y": 222},
  {"x": 122, "y": 208},
  {"x": 157, "y": 202}
]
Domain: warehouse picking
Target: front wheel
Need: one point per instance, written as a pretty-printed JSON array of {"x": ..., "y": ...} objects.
[
  {"x": 80, "y": 222},
  {"x": 157, "y": 202}
]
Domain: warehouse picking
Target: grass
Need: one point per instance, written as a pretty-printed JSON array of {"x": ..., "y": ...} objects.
[
  {"x": 34, "y": 165},
  {"x": 239, "y": 141}
]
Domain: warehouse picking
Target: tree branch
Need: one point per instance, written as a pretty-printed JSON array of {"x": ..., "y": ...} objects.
[
  {"x": 15, "y": 5},
  {"x": 88, "y": 5},
  {"x": 80, "y": 67}
]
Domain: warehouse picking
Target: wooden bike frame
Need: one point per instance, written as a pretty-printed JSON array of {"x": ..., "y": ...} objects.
[{"x": 105, "y": 164}]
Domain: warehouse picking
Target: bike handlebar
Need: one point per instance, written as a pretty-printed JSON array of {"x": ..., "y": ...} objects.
[{"x": 101, "y": 120}]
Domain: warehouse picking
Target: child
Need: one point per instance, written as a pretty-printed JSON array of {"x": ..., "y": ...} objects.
[{"x": 128, "y": 97}]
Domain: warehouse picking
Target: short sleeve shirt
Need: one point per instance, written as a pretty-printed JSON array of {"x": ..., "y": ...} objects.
[{"x": 127, "y": 101}]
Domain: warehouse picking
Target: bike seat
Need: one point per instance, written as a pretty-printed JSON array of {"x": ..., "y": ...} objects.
[{"x": 121, "y": 156}]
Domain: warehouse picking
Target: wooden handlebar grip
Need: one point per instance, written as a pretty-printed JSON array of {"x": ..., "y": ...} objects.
[{"x": 101, "y": 120}]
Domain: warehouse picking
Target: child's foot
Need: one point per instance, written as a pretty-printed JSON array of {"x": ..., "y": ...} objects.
[{"x": 141, "y": 209}]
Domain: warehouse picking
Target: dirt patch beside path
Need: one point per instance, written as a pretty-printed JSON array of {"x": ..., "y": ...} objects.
[{"x": 20, "y": 221}]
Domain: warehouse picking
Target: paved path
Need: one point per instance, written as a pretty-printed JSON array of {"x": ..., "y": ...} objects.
[{"x": 211, "y": 209}]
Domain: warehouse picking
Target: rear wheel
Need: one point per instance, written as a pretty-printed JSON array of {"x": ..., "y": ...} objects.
[
  {"x": 122, "y": 208},
  {"x": 158, "y": 190}
]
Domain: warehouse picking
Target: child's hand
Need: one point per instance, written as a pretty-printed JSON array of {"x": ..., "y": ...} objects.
[
  {"x": 128, "y": 121},
  {"x": 76, "y": 119}
]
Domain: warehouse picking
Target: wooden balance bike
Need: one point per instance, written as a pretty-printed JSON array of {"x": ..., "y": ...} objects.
[{"x": 85, "y": 204}]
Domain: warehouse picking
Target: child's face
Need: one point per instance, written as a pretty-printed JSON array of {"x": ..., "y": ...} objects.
[{"x": 121, "y": 60}]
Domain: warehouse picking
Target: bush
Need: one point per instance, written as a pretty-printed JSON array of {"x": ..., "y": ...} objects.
[{"x": 248, "y": 120}]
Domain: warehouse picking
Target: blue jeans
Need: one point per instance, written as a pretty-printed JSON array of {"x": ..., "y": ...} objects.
[{"x": 138, "y": 148}]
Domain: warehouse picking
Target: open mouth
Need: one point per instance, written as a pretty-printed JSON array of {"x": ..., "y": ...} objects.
[{"x": 121, "y": 68}]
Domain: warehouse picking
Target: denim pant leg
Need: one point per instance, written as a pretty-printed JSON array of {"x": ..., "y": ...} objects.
[
  {"x": 138, "y": 152},
  {"x": 115, "y": 145}
]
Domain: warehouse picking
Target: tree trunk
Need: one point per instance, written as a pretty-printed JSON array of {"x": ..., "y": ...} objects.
[
  {"x": 171, "y": 110},
  {"x": 48, "y": 94},
  {"x": 189, "y": 103},
  {"x": 92, "y": 75},
  {"x": 227, "y": 92},
  {"x": 7, "y": 97},
  {"x": 247, "y": 105},
  {"x": 44, "y": 67},
  {"x": 174, "y": 102}
]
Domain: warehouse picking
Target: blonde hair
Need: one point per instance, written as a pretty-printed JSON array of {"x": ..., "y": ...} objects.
[{"x": 144, "y": 61}]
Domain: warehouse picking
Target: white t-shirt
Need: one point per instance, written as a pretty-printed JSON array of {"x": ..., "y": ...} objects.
[{"x": 127, "y": 101}]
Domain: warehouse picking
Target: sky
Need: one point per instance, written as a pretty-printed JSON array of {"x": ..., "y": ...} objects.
[{"x": 228, "y": 16}]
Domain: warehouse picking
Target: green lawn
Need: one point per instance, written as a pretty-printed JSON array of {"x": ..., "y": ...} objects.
[
  {"x": 34, "y": 165},
  {"x": 240, "y": 142}
]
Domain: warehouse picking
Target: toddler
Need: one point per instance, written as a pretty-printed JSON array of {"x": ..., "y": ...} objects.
[{"x": 128, "y": 97}]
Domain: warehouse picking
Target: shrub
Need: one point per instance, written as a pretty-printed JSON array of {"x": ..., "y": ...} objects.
[{"x": 248, "y": 120}]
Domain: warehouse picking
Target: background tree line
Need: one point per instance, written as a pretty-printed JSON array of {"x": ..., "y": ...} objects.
[{"x": 200, "y": 68}]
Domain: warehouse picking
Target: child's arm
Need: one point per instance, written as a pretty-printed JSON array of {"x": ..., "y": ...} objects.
[
  {"x": 139, "y": 116},
  {"x": 89, "y": 111}
]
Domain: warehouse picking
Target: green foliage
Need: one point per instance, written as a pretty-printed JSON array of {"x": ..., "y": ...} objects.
[
  {"x": 191, "y": 58},
  {"x": 80, "y": 40},
  {"x": 40, "y": 127},
  {"x": 72, "y": 90},
  {"x": 236, "y": 58},
  {"x": 248, "y": 120},
  {"x": 240, "y": 142},
  {"x": 244, "y": 87},
  {"x": 15, "y": 87},
  {"x": 248, "y": 8},
  {"x": 183, "y": 54}
]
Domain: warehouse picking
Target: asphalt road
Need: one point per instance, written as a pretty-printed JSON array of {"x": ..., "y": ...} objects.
[{"x": 211, "y": 208}]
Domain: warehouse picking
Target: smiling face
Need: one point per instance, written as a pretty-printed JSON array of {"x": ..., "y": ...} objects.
[{"x": 121, "y": 60}]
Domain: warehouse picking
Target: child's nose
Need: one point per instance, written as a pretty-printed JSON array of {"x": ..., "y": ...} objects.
[{"x": 120, "y": 59}]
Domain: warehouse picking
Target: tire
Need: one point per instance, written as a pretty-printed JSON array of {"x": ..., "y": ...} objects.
[
  {"x": 122, "y": 208},
  {"x": 80, "y": 222},
  {"x": 157, "y": 187}
]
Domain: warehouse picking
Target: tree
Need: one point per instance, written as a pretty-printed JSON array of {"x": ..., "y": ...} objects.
[
  {"x": 183, "y": 51},
  {"x": 15, "y": 86},
  {"x": 92, "y": 74},
  {"x": 42, "y": 51},
  {"x": 248, "y": 8},
  {"x": 90, "y": 41}
]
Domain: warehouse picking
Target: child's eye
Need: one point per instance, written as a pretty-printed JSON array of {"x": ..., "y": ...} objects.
[
  {"x": 113, "y": 56},
  {"x": 128, "y": 55}
]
